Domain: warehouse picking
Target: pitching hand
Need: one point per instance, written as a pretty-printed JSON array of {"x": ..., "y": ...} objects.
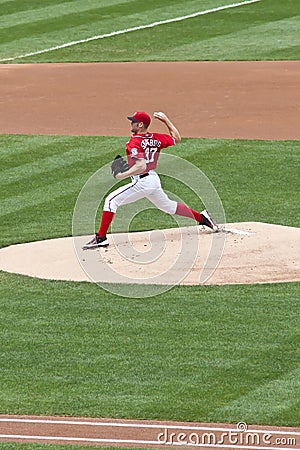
[
  {"x": 161, "y": 116},
  {"x": 171, "y": 127}
]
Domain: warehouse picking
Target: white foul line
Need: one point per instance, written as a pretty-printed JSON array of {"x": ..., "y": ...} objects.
[{"x": 128, "y": 30}]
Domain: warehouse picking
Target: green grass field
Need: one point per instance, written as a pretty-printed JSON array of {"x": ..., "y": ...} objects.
[
  {"x": 264, "y": 30},
  {"x": 224, "y": 354},
  {"x": 73, "y": 349}
]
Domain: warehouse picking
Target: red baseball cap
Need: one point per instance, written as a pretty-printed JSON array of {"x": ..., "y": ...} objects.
[{"x": 140, "y": 116}]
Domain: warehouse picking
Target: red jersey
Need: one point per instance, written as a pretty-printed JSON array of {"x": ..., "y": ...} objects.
[{"x": 147, "y": 146}]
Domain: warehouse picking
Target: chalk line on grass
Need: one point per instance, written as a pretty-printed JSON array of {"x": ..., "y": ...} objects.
[{"x": 128, "y": 30}]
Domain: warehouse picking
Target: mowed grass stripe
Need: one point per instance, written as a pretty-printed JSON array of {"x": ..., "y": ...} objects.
[
  {"x": 201, "y": 38},
  {"x": 40, "y": 185},
  {"x": 281, "y": 394},
  {"x": 108, "y": 18},
  {"x": 275, "y": 43},
  {"x": 43, "y": 165},
  {"x": 16, "y": 149},
  {"x": 28, "y": 188},
  {"x": 15, "y": 6},
  {"x": 54, "y": 26},
  {"x": 13, "y": 147},
  {"x": 93, "y": 22},
  {"x": 214, "y": 36},
  {"x": 25, "y": 154},
  {"x": 40, "y": 195},
  {"x": 53, "y": 11}
]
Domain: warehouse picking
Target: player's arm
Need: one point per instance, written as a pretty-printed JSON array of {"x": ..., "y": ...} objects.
[
  {"x": 171, "y": 127},
  {"x": 138, "y": 168}
]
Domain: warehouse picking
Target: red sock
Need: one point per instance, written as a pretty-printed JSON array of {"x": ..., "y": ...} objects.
[
  {"x": 107, "y": 217},
  {"x": 183, "y": 210}
]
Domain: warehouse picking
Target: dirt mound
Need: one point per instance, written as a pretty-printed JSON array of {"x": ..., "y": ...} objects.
[{"x": 248, "y": 252}]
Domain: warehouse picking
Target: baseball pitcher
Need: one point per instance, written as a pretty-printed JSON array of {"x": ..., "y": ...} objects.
[{"x": 142, "y": 151}]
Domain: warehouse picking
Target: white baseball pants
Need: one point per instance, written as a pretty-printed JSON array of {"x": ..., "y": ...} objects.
[{"x": 148, "y": 187}]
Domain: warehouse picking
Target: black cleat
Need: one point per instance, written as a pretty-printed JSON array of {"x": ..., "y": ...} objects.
[
  {"x": 208, "y": 221},
  {"x": 96, "y": 242}
]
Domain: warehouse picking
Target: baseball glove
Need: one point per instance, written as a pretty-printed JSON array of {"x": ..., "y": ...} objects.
[{"x": 119, "y": 165}]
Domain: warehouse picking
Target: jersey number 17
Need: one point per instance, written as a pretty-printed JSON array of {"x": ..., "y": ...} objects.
[{"x": 150, "y": 153}]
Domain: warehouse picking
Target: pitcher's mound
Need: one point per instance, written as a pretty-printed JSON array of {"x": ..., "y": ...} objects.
[{"x": 248, "y": 252}]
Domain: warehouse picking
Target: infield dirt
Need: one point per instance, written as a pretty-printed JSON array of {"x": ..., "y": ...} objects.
[{"x": 248, "y": 100}]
